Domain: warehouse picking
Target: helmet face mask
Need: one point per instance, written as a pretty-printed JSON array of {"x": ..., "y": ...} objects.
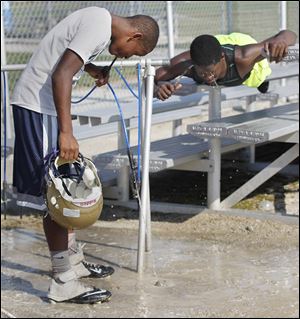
[{"x": 73, "y": 192}]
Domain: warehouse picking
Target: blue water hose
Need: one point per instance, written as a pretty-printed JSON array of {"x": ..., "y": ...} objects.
[
  {"x": 126, "y": 83},
  {"x": 134, "y": 180},
  {"x": 106, "y": 69},
  {"x": 137, "y": 179},
  {"x": 95, "y": 86},
  {"x": 139, "y": 97},
  {"x": 121, "y": 115},
  {"x": 83, "y": 98}
]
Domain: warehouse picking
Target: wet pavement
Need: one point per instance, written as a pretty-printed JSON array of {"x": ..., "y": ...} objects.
[{"x": 183, "y": 278}]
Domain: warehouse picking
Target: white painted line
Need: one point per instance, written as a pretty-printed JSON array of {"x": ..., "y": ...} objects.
[{"x": 6, "y": 313}]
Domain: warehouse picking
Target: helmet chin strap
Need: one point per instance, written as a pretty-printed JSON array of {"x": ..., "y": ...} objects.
[{"x": 65, "y": 187}]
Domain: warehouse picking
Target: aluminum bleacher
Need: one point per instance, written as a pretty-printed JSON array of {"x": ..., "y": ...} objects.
[
  {"x": 189, "y": 101},
  {"x": 279, "y": 123},
  {"x": 188, "y": 151}
]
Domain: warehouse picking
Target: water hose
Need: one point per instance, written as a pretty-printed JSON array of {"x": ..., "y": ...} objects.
[{"x": 135, "y": 168}]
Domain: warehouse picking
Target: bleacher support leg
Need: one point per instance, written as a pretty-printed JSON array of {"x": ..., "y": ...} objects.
[
  {"x": 214, "y": 177},
  {"x": 123, "y": 184},
  {"x": 177, "y": 127},
  {"x": 123, "y": 174}
]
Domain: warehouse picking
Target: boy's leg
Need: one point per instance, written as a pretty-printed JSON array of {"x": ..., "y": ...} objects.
[
  {"x": 35, "y": 137},
  {"x": 64, "y": 285},
  {"x": 57, "y": 236},
  {"x": 57, "y": 239}
]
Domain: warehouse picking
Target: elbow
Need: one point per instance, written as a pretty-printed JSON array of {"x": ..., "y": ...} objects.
[
  {"x": 56, "y": 77},
  {"x": 60, "y": 77},
  {"x": 291, "y": 36},
  {"x": 159, "y": 74},
  {"x": 294, "y": 37}
]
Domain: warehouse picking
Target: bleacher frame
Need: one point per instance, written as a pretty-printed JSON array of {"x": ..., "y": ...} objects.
[{"x": 185, "y": 152}]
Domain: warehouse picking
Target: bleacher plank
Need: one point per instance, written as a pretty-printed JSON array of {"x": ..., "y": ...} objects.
[
  {"x": 252, "y": 127},
  {"x": 165, "y": 154}
]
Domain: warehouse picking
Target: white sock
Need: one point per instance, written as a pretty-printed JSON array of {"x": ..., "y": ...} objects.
[
  {"x": 60, "y": 262},
  {"x": 72, "y": 245}
]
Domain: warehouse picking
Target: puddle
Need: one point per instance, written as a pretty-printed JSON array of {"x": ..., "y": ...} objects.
[{"x": 182, "y": 278}]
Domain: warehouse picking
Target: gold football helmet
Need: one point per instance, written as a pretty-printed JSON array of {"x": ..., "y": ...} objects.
[{"x": 73, "y": 192}]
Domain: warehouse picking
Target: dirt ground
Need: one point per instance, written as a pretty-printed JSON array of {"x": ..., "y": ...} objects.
[
  {"x": 237, "y": 230},
  {"x": 202, "y": 266}
]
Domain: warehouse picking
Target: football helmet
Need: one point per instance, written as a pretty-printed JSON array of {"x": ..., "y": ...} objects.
[{"x": 73, "y": 192}]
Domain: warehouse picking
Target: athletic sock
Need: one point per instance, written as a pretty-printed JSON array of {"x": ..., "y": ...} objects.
[
  {"x": 72, "y": 244},
  {"x": 60, "y": 262}
]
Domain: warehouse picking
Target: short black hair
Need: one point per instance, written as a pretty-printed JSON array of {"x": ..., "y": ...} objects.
[
  {"x": 148, "y": 27},
  {"x": 205, "y": 50}
]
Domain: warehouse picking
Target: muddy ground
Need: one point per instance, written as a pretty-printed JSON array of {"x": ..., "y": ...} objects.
[{"x": 204, "y": 264}]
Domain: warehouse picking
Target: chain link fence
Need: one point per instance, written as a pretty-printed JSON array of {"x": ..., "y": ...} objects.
[{"x": 26, "y": 22}]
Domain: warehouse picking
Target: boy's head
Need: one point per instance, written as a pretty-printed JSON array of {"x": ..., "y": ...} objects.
[
  {"x": 136, "y": 35},
  {"x": 208, "y": 58}
]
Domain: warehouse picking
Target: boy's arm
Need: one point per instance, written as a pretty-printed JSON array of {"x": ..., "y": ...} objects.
[
  {"x": 97, "y": 72},
  {"x": 276, "y": 47},
  {"x": 178, "y": 65},
  {"x": 69, "y": 64}
]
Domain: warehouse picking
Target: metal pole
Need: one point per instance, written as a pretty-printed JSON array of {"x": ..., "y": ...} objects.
[
  {"x": 148, "y": 241},
  {"x": 283, "y": 15},
  {"x": 150, "y": 72},
  {"x": 19, "y": 67},
  {"x": 148, "y": 222},
  {"x": 177, "y": 124},
  {"x": 140, "y": 7},
  {"x": 4, "y": 115},
  {"x": 214, "y": 177},
  {"x": 131, "y": 8},
  {"x": 229, "y": 16},
  {"x": 223, "y": 18},
  {"x": 142, "y": 220},
  {"x": 49, "y": 15},
  {"x": 170, "y": 29},
  {"x": 9, "y": 132}
]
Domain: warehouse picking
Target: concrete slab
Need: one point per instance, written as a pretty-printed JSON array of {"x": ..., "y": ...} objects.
[{"x": 184, "y": 277}]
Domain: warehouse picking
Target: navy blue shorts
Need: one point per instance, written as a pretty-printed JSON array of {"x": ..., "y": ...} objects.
[{"x": 36, "y": 136}]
